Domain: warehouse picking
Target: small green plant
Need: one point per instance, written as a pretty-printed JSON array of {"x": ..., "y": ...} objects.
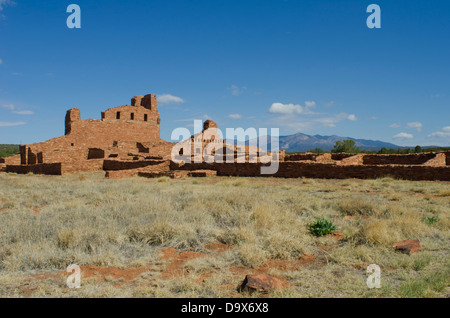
[
  {"x": 321, "y": 227},
  {"x": 238, "y": 241},
  {"x": 431, "y": 220}
]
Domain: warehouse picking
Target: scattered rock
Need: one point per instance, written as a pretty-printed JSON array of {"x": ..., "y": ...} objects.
[
  {"x": 408, "y": 246},
  {"x": 261, "y": 283}
]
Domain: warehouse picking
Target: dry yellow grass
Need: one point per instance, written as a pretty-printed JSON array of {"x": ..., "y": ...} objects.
[{"x": 48, "y": 223}]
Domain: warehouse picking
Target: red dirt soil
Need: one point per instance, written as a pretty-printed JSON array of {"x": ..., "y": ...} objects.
[
  {"x": 175, "y": 261},
  {"x": 175, "y": 267}
]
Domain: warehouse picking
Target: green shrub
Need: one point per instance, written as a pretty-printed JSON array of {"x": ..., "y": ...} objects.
[
  {"x": 431, "y": 220},
  {"x": 321, "y": 227}
]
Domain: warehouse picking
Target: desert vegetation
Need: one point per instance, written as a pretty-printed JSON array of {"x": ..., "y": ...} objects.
[
  {"x": 199, "y": 237},
  {"x": 349, "y": 146},
  {"x": 8, "y": 150}
]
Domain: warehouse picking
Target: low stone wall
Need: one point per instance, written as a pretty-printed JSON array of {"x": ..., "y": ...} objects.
[
  {"x": 410, "y": 172},
  {"x": 409, "y": 159},
  {"x": 82, "y": 166},
  {"x": 13, "y": 160},
  {"x": 301, "y": 156},
  {"x": 41, "y": 168},
  {"x": 325, "y": 157},
  {"x": 438, "y": 161},
  {"x": 327, "y": 171},
  {"x": 156, "y": 166},
  {"x": 340, "y": 156},
  {"x": 58, "y": 168},
  {"x": 111, "y": 164},
  {"x": 351, "y": 161},
  {"x": 176, "y": 174}
]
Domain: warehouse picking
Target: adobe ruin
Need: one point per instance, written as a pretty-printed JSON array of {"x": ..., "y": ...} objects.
[
  {"x": 126, "y": 142},
  {"x": 123, "y": 130}
]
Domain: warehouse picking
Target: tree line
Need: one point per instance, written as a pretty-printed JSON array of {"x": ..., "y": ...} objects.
[
  {"x": 349, "y": 146},
  {"x": 8, "y": 150}
]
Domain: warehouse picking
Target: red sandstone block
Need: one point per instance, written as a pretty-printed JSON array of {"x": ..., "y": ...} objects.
[
  {"x": 260, "y": 283},
  {"x": 202, "y": 173},
  {"x": 408, "y": 246}
]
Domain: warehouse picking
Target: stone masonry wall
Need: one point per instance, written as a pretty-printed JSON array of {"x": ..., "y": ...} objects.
[
  {"x": 86, "y": 140},
  {"x": 409, "y": 159},
  {"x": 438, "y": 161},
  {"x": 329, "y": 171},
  {"x": 46, "y": 168},
  {"x": 301, "y": 156}
]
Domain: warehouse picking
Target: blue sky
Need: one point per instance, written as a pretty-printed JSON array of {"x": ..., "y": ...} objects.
[{"x": 307, "y": 66}]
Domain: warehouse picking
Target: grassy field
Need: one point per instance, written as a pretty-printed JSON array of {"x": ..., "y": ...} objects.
[{"x": 199, "y": 237}]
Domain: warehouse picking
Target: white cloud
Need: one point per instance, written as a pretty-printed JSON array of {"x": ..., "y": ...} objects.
[
  {"x": 1, "y": 61},
  {"x": 296, "y": 123},
  {"x": 415, "y": 125},
  {"x": 289, "y": 116},
  {"x": 13, "y": 110},
  {"x": 235, "y": 116},
  {"x": 236, "y": 91},
  {"x": 444, "y": 133},
  {"x": 329, "y": 104},
  {"x": 23, "y": 112},
  {"x": 311, "y": 104},
  {"x": 8, "y": 106},
  {"x": 169, "y": 99},
  {"x": 395, "y": 125},
  {"x": 10, "y": 124},
  {"x": 279, "y": 108},
  {"x": 5, "y": 3},
  {"x": 403, "y": 135},
  {"x": 331, "y": 121}
]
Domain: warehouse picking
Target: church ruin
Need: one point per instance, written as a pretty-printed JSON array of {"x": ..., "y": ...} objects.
[{"x": 126, "y": 142}]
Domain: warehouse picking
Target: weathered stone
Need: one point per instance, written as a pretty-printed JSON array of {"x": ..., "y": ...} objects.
[
  {"x": 202, "y": 173},
  {"x": 131, "y": 135},
  {"x": 408, "y": 246},
  {"x": 261, "y": 283}
]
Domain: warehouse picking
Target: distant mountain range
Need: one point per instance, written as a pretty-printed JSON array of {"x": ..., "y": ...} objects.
[{"x": 301, "y": 143}]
